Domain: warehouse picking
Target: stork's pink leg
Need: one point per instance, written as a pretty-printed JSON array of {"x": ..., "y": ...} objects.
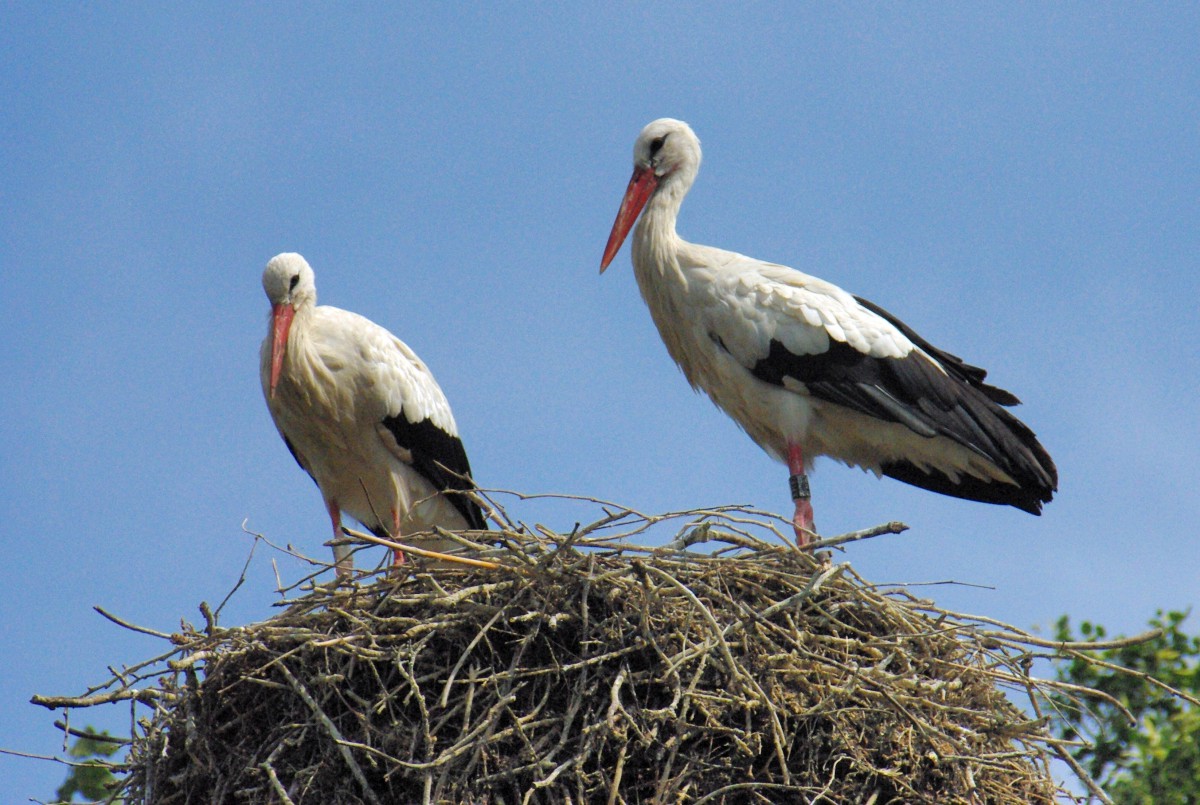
[
  {"x": 397, "y": 554},
  {"x": 342, "y": 559},
  {"x": 802, "y": 520}
]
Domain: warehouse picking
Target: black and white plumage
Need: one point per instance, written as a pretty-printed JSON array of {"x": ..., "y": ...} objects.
[
  {"x": 363, "y": 415},
  {"x": 805, "y": 368}
]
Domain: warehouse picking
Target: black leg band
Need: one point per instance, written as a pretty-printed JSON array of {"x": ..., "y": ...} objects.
[{"x": 799, "y": 487}]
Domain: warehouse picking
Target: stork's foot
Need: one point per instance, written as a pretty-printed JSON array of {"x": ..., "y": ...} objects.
[
  {"x": 343, "y": 561},
  {"x": 802, "y": 522}
]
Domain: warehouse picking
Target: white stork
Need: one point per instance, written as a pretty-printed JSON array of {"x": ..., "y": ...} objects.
[
  {"x": 808, "y": 370},
  {"x": 362, "y": 414}
]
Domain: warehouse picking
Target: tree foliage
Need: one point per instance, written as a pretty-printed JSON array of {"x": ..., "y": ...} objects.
[
  {"x": 1154, "y": 760},
  {"x": 92, "y": 779}
]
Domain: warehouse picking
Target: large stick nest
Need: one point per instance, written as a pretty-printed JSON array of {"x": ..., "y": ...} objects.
[{"x": 583, "y": 669}]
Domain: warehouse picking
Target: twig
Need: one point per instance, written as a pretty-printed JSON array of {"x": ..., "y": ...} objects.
[
  {"x": 64, "y": 761},
  {"x": 133, "y": 627},
  {"x": 91, "y": 736},
  {"x": 145, "y": 696},
  {"x": 276, "y": 786},
  {"x": 1083, "y": 776},
  {"x": 242, "y": 576},
  {"x": 405, "y": 548},
  {"x": 894, "y": 527},
  {"x": 1074, "y": 645}
]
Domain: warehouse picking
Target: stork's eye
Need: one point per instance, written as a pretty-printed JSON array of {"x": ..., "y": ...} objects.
[
  {"x": 656, "y": 144},
  {"x": 295, "y": 281}
]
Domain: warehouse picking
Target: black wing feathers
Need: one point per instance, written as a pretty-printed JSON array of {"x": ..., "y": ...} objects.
[
  {"x": 967, "y": 487},
  {"x": 441, "y": 459},
  {"x": 939, "y": 395},
  {"x": 952, "y": 363}
]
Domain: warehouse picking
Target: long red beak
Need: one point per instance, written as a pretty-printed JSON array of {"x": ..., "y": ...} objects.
[
  {"x": 281, "y": 322},
  {"x": 641, "y": 187}
]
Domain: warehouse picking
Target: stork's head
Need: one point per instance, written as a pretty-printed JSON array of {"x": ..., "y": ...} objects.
[
  {"x": 290, "y": 285},
  {"x": 666, "y": 158}
]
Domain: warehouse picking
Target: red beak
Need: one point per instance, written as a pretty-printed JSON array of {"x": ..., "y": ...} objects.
[
  {"x": 641, "y": 187},
  {"x": 281, "y": 322}
]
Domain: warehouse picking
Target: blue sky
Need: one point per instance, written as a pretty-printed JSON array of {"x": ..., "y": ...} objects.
[{"x": 1018, "y": 182}]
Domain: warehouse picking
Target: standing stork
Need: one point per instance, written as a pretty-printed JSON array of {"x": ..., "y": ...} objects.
[
  {"x": 808, "y": 370},
  {"x": 362, "y": 414}
]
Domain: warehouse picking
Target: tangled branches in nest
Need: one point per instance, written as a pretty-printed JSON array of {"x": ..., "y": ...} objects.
[{"x": 584, "y": 669}]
